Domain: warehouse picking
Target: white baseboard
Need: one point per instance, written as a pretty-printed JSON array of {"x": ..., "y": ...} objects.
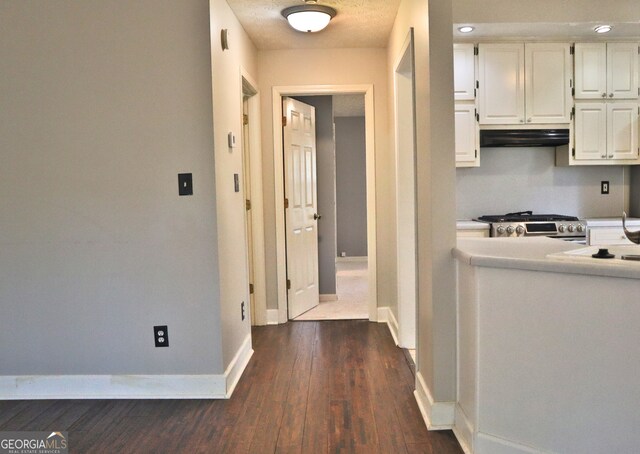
[
  {"x": 272, "y": 317},
  {"x": 328, "y": 297},
  {"x": 34, "y": 387},
  {"x": 238, "y": 364},
  {"x": 488, "y": 444},
  {"x": 463, "y": 430},
  {"x": 351, "y": 259},
  {"x": 385, "y": 315},
  {"x": 211, "y": 386},
  {"x": 437, "y": 415}
]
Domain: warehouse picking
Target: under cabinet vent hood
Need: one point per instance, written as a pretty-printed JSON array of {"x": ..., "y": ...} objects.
[{"x": 524, "y": 137}]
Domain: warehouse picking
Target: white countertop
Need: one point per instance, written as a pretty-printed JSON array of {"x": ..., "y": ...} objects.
[
  {"x": 467, "y": 224},
  {"x": 542, "y": 254},
  {"x": 611, "y": 222}
]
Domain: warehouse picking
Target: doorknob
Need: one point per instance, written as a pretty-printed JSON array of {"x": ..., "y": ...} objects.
[{"x": 316, "y": 216}]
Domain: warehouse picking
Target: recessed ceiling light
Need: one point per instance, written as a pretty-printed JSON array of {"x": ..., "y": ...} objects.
[
  {"x": 603, "y": 29},
  {"x": 309, "y": 17},
  {"x": 466, "y": 29}
]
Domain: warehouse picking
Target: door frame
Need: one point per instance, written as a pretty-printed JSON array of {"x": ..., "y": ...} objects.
[
  {"x": 404, "y": 95},
  {"x": 248, "y": 86},
  {"x": 278, "y": 160}
]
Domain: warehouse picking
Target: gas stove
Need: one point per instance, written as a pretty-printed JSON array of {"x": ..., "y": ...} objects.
[{"x": 525, "y": 223}]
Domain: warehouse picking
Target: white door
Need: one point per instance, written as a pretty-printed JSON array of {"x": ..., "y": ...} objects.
[
  {"x": 464, "y": 73},
  {"x": 622, "y": 70},
  {"x": 299, "y": 139},
  {"x": 501, "y": 77},
  {"x": 548, "y": 83},
  {"x": 591, "y": 70},
  {"x": 466, "y": 144},
  {"x": 591, "y": 130},
  {"x": 622, "y": 128}
]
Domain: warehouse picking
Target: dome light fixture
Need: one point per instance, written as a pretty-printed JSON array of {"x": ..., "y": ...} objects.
[
  {"x": 466, "y": 29},
  {"x": 603, "y": 29},
  {"x": 309, "y": 17}
]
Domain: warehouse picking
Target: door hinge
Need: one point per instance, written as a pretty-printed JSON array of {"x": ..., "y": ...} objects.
[
  {"x": 475, "y": 95},
  {"x": 476, "y": 51},
  {"x": 476, "y": 154},
  {"x": 250, "y": 289},
  {"x": 286, "y": 203},
  {"x": 572, "y": 49},
  {"x": 477, "y": 116},
  {"x": 573, "y": 113},
  {"x": 284, "y": 121},
  {"x": 573, "y": 152},
  {"x": 288, "y": 284},
  {"x": 477, "y": 84},
  {"x": 248, "y": 204},
  {"x": 245, "y": 119}
]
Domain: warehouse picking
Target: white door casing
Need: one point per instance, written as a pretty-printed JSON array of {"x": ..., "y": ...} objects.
[{"x": 299, "y": 140}]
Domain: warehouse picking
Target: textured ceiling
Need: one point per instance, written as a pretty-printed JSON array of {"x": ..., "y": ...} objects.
[
  {"x": 348, "y": 106},
  {"x": 359, "y": 23}
]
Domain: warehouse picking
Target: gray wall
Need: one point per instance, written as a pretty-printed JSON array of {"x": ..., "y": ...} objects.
[
  {"x": 634, "y": 192},
  {"x": 326, "y": 173},
  {"x": 517, "y": 179},
  {"x": 351, "y": 186},
  {"x": 103, "y": 104}
]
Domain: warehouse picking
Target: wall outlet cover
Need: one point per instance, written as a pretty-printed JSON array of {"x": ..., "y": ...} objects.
[
  {"x": 161, "y": 335},
  {"x": 604, "y": 187}
]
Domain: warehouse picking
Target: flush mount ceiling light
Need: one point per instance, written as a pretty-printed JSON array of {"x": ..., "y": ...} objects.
[
  {"x": 603, "y": 29},
  {"x": 466, "y": 29},
  {"x": 309, "y": 17}
]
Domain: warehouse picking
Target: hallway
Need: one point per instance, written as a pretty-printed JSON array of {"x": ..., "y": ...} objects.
[{"x": 311, "y": 387}]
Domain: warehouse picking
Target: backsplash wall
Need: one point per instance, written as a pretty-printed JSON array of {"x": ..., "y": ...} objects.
[{"x": 518, "y": 179}]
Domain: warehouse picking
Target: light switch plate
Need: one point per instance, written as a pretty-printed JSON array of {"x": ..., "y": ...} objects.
[
  {"x": 232, "y": 140},
  {"x": 185, "y": 184}
]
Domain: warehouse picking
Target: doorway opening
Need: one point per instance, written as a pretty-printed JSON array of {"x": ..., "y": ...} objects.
[
  {"x": 342, "y": 201},
  {"x": 365, "y": 91}
]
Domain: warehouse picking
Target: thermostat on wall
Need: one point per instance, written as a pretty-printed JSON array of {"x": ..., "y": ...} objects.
[{"x": 232, "y": 140}]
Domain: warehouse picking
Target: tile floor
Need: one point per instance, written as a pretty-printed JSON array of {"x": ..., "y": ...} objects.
[{"x": 352, "y": 289}]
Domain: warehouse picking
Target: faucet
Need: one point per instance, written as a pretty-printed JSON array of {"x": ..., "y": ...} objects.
[{"x": 633, "y": 236}]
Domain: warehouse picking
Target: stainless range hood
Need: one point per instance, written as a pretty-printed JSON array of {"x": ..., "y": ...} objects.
[{"x": 524, "y": 137}]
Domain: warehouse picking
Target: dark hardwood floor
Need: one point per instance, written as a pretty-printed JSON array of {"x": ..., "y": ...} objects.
[{"x": 311, "y": 387}]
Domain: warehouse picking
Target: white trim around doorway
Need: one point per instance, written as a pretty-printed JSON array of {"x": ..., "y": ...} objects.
[{"x": 281, "y": 260}]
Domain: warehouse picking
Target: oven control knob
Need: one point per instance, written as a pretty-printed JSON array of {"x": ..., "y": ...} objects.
[
  {"x": 500, "y": 230},
  {"x": 510, "y": 230},
  {"x": 572, "y": 228},
  {"x": 519, "y": 230},
  {"x": 561, "y": 228},
  {"x": 580, "y": 228}
]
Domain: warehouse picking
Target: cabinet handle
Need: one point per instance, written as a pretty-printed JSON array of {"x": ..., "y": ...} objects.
[
  {"x": 522, "y": 120},
  {"x": 610, "y": 95},
  {"x": 604, "y": 95},
  {"x": 604, "y": 156},
  {"x": 528, "y": 120},
  {"x": 610, "y": 156}
]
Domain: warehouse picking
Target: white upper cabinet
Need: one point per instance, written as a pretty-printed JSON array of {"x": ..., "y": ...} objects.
[
  {"x": 606, "y": 131},
  {"x": 606, "y": 70},
  {"x": 467, "y": 135},
  {"x": 525, "y": 83},
  {"x": 464, "y": 72},
  {"x": 548, "y": 83},
  {"x": 501, "y": 77}
]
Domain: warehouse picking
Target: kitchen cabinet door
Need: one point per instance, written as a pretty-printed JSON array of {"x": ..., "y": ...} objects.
[
  {"x": 501, "y": 78},
  {"x": 591, "y": 131},
  {"x": 467, "y": 135},
  {"x": 548, "y": 83},
  {"x": 622, "y": 70},
  {"x": 464, "y": 72},
  {"x": 591, "y": 70},
  {"x": 622, "y": 130}
]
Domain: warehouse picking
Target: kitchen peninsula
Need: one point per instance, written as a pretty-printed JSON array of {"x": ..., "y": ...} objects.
[{"x": 548, "y": 348}]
